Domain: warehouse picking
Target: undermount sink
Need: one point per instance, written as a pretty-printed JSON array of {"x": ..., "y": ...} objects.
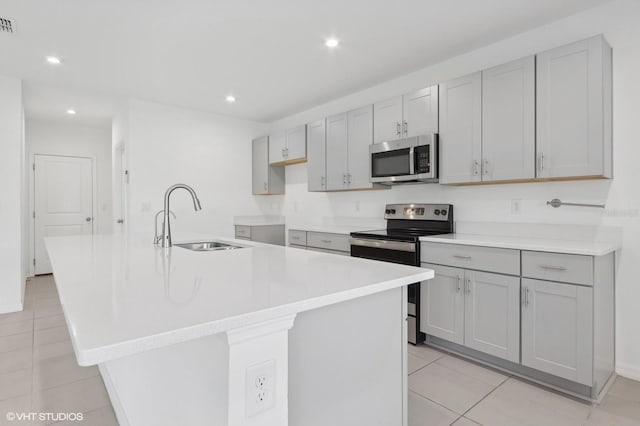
[{"x": 208, "y": 246}]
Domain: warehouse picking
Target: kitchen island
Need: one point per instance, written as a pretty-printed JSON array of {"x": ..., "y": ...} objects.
[{"x": 259, "y": 335}]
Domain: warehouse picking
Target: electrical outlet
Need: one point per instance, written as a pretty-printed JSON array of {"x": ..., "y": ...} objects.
[{"x": 260, "y": 388}]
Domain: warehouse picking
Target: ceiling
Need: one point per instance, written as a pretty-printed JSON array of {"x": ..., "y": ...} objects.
[{"x": 269, "y": 54}]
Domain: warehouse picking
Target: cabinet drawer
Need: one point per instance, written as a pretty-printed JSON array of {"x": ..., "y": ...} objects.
[
  {"x": 567, "y": 268},
  {"x": 297, "y": 238},
  {"x": 243, "y": 231},
  {"x": 505, "y": 261},
  {"x": 337, "y": 242}
]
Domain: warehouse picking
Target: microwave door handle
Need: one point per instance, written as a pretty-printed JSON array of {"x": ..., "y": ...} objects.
[{"x": 411, "y": 161}]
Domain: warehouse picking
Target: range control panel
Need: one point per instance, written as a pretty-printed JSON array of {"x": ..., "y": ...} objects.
[{"x": 417, "y": 211}]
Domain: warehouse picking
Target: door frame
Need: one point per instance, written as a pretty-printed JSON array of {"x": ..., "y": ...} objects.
[{"x": 32, "y": 200}]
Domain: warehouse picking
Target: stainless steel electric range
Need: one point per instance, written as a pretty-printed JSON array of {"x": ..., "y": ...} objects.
[{"x": 400, "y": 243}]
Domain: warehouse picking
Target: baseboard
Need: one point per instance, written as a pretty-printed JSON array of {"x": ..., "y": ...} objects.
[
  {"x": 627, "y": 370},
  {"x": 9, "y": 308},
  {"x": 113, "y": 396}
]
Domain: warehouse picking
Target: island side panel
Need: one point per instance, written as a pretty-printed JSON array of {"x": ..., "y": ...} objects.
[
  {"x": 182, "y": 384},
  {"x": 347, "y": 363}
]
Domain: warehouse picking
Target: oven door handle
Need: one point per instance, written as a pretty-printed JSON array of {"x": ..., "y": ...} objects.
[
  {"x": 412, "y": 168},
  {"x": 384, "y": 244}
]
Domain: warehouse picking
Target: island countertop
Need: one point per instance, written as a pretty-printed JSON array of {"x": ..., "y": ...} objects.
[{"x": 122, "y": 296}]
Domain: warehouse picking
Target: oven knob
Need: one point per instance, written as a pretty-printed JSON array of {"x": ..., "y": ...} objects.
[
  {"x": 387, "y": 211},
  {"x": 443, "y": 212},
  {"x": 392, "y": 211},
  {"x": 436, "y": 212}
]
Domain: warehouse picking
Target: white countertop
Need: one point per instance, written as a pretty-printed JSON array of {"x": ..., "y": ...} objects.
[
  {"x": 589, "y": 248},
  {"x": 125, "y": 296},
  {"x": 333, "y": 229}
]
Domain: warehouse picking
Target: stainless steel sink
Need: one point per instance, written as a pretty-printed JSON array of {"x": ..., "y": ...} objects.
[{"x": 208, "y": 246}]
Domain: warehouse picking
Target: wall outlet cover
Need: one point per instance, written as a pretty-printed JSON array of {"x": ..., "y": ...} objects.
[{"x": 260, "y": 388}]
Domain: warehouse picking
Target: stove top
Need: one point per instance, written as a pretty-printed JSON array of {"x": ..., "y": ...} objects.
[{"x": 409, "y": 222}]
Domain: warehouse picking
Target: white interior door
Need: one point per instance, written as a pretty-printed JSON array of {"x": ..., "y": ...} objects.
[{"x": 63, "y": 200}]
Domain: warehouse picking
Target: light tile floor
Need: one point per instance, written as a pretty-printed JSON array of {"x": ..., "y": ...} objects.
[
  {"x": 38, "y": 370},
  {"x": 39, "y": 373},
  {"x": 445, "y": 390}
]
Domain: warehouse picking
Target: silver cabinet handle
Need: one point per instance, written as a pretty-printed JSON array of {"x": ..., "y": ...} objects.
[
  {"x": 468, "y": 285},
  {"x": 286, "y": 152},
  {"x": 541, "y": 162},
  {"x": 485, "y": 167},
  {"x": 349, "y": 178},
  {"x": 120, "y": 221},
  {"x": 526, "y": 296},
  {"x": 265, "y": 186},
  {"x": 295, "y": 238},
  {"x": 476, "y": 167},
  {"x": 459, "y": 256},
  {"x": 405, "y": 127},
  {"x": 326, "y": 241},
  {"x": 344, "y": 178},
  {"x": 88, "y": 219},
  {"x": 553, "y": 268},
  {"x": 322, "y": 180},
  {"x": 458, "y": 288},
  {"x": 398, "y": 128}
]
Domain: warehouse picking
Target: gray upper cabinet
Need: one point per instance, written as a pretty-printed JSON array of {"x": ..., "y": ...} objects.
[
  {"x": 461, "y": 130},
  {"x": 413, "y": 114},
  {"x": 288, "y": 146},
  {"x": 388, "y": 119},
  {"x": 492, "y": 314},
  {"x": 557, "y": 329},
  {"x": 265, "y": 179},
  {"x": 349, "y": 136},
  {"x": 316, "y": 155},
  {"x": 337, "y": 139},
  {"x": 574, "y": 89},
  {"x": 360, "y": 132},
  {"x": 508, "y": 121},
  {"x": 420, "y": 112}
]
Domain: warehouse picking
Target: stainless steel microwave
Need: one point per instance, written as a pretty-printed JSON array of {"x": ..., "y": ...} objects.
[{"x": 406, "y": 160}]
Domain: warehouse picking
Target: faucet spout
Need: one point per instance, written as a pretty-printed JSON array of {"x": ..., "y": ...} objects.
[{"x": 166, "y": 226}]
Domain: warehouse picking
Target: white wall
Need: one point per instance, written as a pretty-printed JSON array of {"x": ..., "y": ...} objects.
[
  {"x": 212, "y": 153},
  {"x": 618, "y": 21},
  {"x": 12, "y": 259},
  {"x": 54, "y": 138}
]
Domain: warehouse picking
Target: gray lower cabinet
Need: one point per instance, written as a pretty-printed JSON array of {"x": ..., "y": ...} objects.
[
  {"x": 265, "y": 179},
  {"x": 324, "y": 242},
  {"x": 557, "y": 329},
  {"x": 269, "y": 234},
  {"x": 476, "y": 309}
]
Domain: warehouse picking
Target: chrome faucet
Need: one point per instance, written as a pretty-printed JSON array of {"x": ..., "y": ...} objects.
[
  {"x": 156, "y": 237},
  {"x": 166, "y": 226}
]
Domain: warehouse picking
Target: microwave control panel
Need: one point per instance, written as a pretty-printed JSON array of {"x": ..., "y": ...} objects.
[{"x": 423, "y": 162}]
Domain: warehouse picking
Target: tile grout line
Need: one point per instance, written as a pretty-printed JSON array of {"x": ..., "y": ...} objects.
[{"x": 485, "y": 397}]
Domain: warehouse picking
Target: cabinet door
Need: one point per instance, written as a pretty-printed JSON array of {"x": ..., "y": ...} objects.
[
  {"x": 557, "y": 329},
  {"x": 360, "y": 124},
  {"x": 387, "y": 119},
  {"x": 316, "y": 155},
  {"x": 420, "y": 112},
  {"x": 260, "y": 166},
  {"x": 337, "y": 137},
  {"x": 461, "y": 129},
  {"x": 277, "y": 145},
  {"x": 442, "y": 304},
  {"x": 508, "y": 121},
  {"x": 492, "y": 314},
  {"x": 573, "y": 109},
  {"x": 296, "y": 143}
]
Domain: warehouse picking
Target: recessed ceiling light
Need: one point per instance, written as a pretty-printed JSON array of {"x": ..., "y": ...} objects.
[
  {"x": 332, "y": 42},
  {"x": 71, "y": 111},
  {"x": 230, "y": 98},
  {"x": 54, "y": 60}
]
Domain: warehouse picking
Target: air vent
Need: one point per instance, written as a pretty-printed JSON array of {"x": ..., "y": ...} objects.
[{"x": 7, "y": 26}]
